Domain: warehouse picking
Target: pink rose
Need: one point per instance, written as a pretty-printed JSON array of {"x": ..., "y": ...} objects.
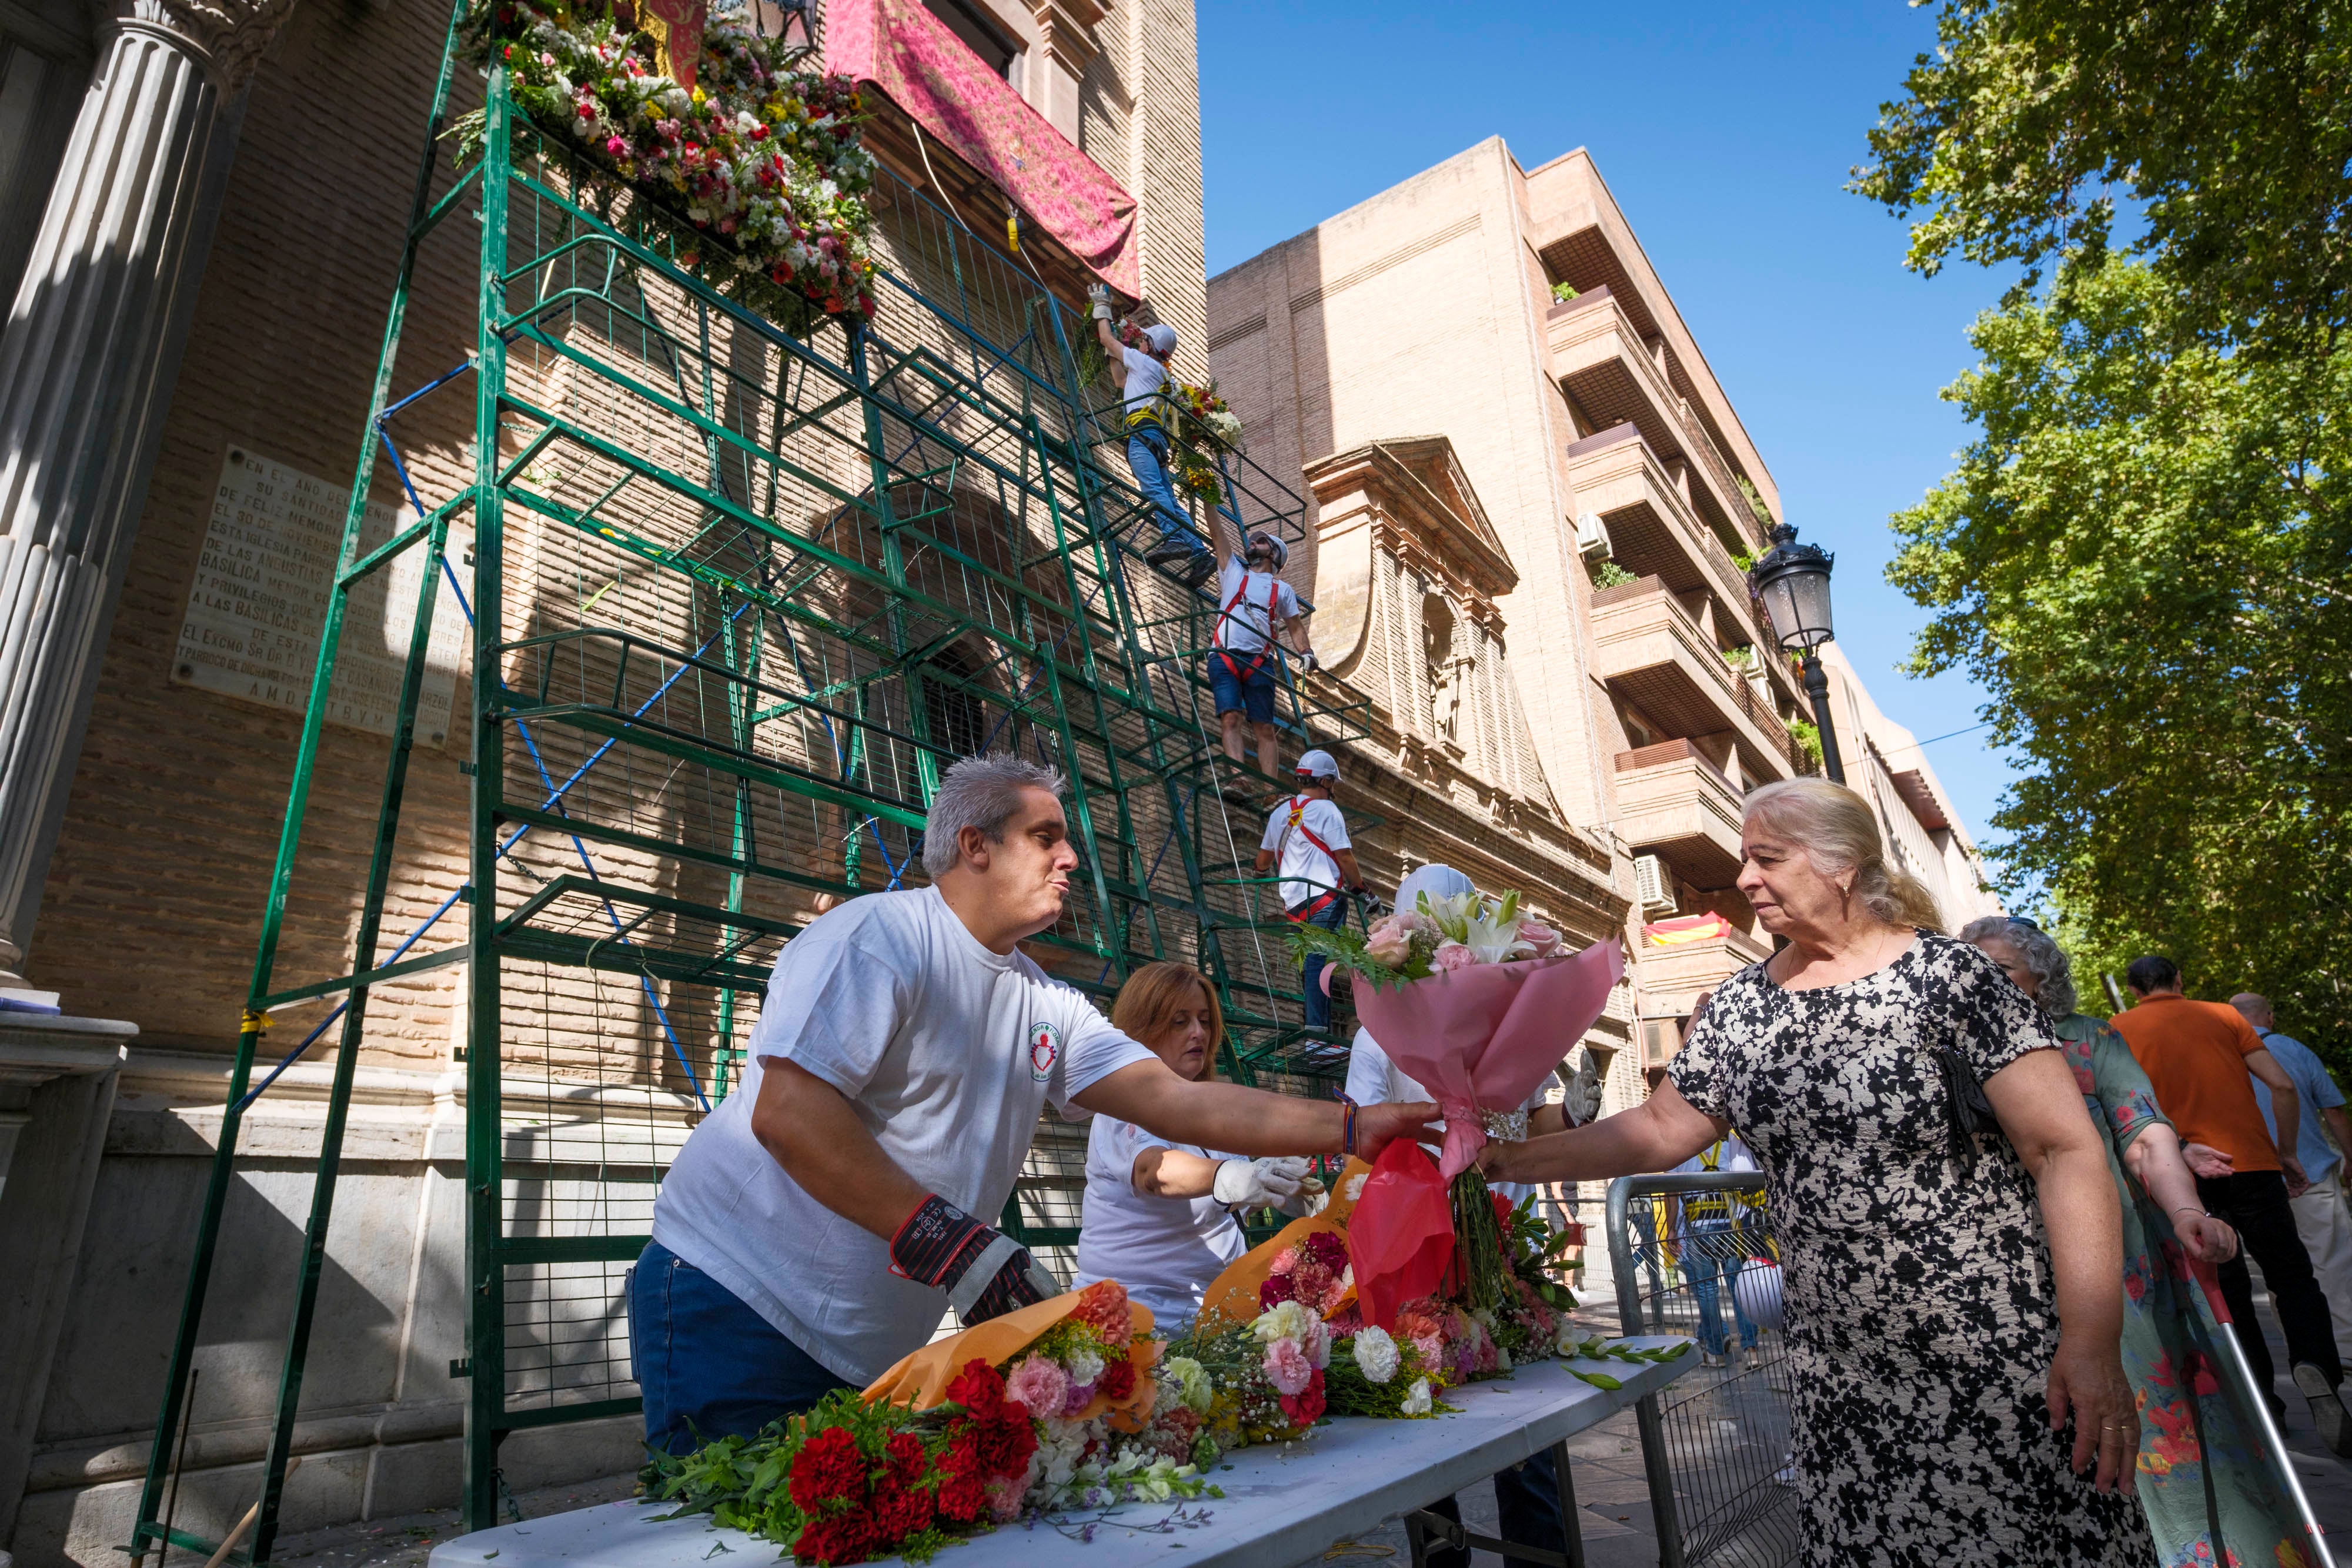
[
  {"x": 1453, "y": 955},
  {"x": 1545, "y": 940},
  {"x": 1389, "y": 943},
  {"x": 1287, "y": 1368}
]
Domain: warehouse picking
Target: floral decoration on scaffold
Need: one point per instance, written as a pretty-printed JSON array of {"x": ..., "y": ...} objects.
[
  {"x": 1471, "y": 999},
  {"x": 757, "y": 171},
  {"x": 1067, "y": 1407}
]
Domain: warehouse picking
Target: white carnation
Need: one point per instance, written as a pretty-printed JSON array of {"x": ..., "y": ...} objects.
[
  {"x": 1416, "y": 1398},
  {"x": 1355, "y": 1187},
  {"x": 1502, "y": 1359},
  {"x": 1375, "y": 1354},
  {"x": 1085, "y": 1366}
]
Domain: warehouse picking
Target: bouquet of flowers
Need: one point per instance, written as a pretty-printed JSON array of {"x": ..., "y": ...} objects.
[
  {"x": 1053, "y": 1406},
  {"x": 1477, "y": 1002},
  {"x": 1266, "y": 1376},
  {"x": 1374, "y": 1372},
  {"x": 757, "y": 168}
]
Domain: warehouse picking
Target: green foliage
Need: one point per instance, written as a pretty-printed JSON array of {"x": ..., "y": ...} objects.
[
  {"x": 1740, "y": 658},
  {"x": 1564, "y": 292},
  {"x": 1808, "y": 737},
  {"x": 2223, "y": 125},
  {"x": 1744, "y": 559},
  {"x": 1344, "y": 948},
  {"x": 1756, "y": 507},
  {"x": 1609, "y": 574},
  {"x": 2146, "y": 558}
]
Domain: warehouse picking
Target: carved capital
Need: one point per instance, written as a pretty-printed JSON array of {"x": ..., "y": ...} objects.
[{"x": 228, "y": 38}]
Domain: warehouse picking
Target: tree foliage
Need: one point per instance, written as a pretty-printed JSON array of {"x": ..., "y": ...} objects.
[
  {"x": 2145, "y": 557},
  {"x": 2224, "y": 125}
]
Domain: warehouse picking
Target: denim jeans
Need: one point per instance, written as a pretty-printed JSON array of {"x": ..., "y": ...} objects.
[
  {"x": 1147, "y": 453},
  {"x": 1527, "y": 1511},
  {"x": 1331, "y": 917},
  {"x": 708, "y": 1365},
  {"x": 1703, "y": 1261}
]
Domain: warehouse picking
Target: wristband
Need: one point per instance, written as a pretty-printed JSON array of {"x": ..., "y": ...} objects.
[
  {"x": 2202, "y": 1213},
  {"x": 1348, "y": 1127}
]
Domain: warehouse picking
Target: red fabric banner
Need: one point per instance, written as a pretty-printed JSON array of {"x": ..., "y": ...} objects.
[{"x": 929, "y": 72}]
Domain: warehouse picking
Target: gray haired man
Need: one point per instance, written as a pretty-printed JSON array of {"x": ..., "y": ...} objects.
[{"x": 813, "y": 1227}]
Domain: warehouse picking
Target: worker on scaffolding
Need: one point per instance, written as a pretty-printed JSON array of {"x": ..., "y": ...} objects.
[
  {"x": 1146, "y": 425},
  {"x": 1307, "y": 837},
  {"x": 813, "y": 1227},
  {"x": 1254, "y": 606}
]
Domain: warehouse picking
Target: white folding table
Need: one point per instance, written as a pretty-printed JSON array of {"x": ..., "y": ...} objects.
[{"x": 1282, "y": 1506}]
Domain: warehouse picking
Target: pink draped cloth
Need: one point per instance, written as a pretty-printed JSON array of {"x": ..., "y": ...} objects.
[
  {"x": 929, "y": 72},
  {"x": 1484, "y": 1036}
]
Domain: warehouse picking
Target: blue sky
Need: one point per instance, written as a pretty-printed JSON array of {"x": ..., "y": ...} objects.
[{"x": 1726, "y": 132}]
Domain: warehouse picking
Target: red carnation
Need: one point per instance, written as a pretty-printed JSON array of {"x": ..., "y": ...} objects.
[
  {"x": 829, "y": 1466},
  {"x": 898, "y": 1512},
  {"x": 846, "y": 1538},
  {"x": 961, "y": 1497},
  {"x": 1306, "y": 1406},
  {"x": 1277, "y": 1289},
  {"x": 907, "y": 1458},
  {"x": 979, "y": 1387},
  {"x": 1502, "y": 1208},
  {"x": 1005, "y": 1444},
  {"x": 1118, "y": 1380},
  {"x": 866, "y": 304}
]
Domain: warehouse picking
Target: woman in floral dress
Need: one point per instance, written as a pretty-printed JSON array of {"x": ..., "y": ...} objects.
[
  {"x": 2231, "y": 1512},
  {"x": 1954, "y": 1296}
]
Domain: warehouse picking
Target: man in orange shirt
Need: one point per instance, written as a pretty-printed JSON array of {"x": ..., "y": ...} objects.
[{"x": 2198, "y": 1056}]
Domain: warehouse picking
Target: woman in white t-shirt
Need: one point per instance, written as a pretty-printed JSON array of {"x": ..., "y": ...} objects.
[{"x": 1159, "y": 1216}]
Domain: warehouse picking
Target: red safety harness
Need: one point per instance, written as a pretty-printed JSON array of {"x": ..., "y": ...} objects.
[
  {"x": 1297, "y": 823},
  {"x": 1257, "y": 660}
]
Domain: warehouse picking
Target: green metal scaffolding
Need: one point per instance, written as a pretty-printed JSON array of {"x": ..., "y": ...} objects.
[{"x": 736, "y": 598}]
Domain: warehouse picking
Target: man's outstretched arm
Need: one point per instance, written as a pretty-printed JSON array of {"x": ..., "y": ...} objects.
[
  {"x": 1241, "y": 1121},
  {"x": 810, "y": 1129}
]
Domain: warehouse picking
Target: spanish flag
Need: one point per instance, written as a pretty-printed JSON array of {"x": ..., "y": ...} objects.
[{"x": 1686, "y": 928}]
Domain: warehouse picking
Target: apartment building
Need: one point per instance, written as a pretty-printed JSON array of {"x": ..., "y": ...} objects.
[{"x": 1513, "y": 312}]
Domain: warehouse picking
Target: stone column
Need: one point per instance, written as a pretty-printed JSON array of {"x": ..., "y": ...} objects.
[{"x": 88, "y": 362}]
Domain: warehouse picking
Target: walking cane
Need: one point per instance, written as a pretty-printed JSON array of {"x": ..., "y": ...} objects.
[{"x": 2273, "y": 1440}]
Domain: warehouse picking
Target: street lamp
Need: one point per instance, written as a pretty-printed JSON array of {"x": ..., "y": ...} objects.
[{"x": 1792, "y": 582}]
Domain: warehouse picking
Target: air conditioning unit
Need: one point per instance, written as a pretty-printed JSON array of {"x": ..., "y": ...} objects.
[
  {"x": 1592, "y": 537},
  {"x": 1654, "y": 884}
]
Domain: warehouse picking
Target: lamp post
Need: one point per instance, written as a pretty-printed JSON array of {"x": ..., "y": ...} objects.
[{"x": 1792, "y": 582}]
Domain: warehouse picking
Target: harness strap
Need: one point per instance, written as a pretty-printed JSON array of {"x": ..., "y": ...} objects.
[
  {"x": 1297, "y": 824},
  {"x": 1257, "y": 660}
]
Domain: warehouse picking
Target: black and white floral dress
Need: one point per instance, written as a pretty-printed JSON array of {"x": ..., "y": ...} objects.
[{"x": 1922, "y": 1310}]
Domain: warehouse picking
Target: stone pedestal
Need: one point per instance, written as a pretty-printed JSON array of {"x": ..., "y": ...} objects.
[
  {"x": 87, "y": 361},
  {"x": 56, "y": 1091}
]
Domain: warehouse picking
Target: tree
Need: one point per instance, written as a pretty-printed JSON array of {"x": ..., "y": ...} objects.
[
  {"x": 2145, "y": 558},
  {"x": 2224, "y": 125}
]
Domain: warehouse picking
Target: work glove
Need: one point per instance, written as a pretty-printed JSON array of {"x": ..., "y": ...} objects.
[
  {"x": 1305, "y": 658},
  {"x": 1098, "y": 294},
  {"x": 1260, "y": 1184},
  {"x": 1583, "y": 1099},
  {"x": 984, "y": 1272}
]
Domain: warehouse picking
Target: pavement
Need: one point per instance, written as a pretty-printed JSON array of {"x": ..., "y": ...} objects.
[{"x": 1611, "y": 1493}]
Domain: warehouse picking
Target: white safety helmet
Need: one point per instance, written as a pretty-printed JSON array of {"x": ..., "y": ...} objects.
[
  {"x": 1436, "y": 880},
  {"x": 1162, "y": 337},
  {"x": 1273, "y": 546},
  {"x": 1317, "y": 766}
]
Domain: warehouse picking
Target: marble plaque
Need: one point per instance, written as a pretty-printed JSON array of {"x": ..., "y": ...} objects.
[{"x": 259, "y": 600}]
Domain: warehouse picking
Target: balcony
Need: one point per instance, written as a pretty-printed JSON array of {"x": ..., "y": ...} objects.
[
  {"x": 1657, "y": 657},
  {"x": 1602, "y": 363},
  {"x": 1670, "y": 979},
  {"x": 1673, "y": 802}
]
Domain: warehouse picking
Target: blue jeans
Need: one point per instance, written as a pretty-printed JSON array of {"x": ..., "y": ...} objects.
[
  {"x": 708, "y": 1365},
  {"x": 1527, "y": 1510},
  {"x": 1147, "y": 453},
  {"x": 1703, "y": 1261},
  {"x": 1331, "y": 917}
]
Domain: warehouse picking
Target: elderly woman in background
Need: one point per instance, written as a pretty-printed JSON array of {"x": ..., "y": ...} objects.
[
  {"x": 1936, "y": 1186},
  {"x": 2169, "y": 1328},
  {"x": 1159, "y": 1217}
]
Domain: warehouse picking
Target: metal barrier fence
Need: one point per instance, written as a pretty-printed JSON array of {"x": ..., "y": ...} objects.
[{"x": 1695, "y": 1255}]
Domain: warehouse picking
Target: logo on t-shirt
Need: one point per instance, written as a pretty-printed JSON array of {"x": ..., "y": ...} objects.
[{"x": 1045, "y": 1049}]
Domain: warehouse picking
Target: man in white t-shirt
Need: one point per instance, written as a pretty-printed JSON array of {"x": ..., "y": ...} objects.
[
  {"x": 812, "y": 1230},
  {"x": 1307, "y": 837},
  {"x": 1145, "y": 372},
  {"x": 1254, "y": 606}
]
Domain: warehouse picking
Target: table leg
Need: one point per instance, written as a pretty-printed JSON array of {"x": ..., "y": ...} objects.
[
  {"x": 1571, "y": 1532},
  {"x": 1425, "y": 1529}
]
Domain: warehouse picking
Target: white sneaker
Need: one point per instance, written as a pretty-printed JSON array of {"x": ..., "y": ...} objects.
[{"x": 1708, "y": 1358}]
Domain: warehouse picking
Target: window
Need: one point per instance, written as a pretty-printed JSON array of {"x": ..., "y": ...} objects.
[
  {"x": 958, "y": 718},
  {"x": 980, "y": 32}
]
